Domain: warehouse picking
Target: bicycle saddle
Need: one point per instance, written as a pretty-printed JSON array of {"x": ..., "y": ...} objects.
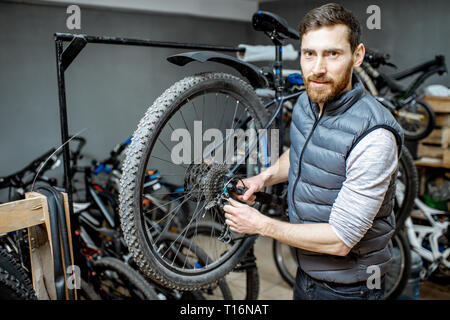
[{"x": 269, "y": 22}]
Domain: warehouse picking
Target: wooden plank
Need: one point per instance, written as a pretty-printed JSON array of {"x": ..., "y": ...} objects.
[
  {"x": 72, "y": 280},
  {"x": 446, "y": 158},
  {"x": 21, "y": 214},
  {"x": 434, "y": 137},
  {"x": 425, "y": 163},
  {"x": 440, "y": 137},
  {"x": 445, "y": 137},
  {"x": 41, "y": 259},
  {"x": 429, "y": 162},
  {"x": 442, "y": 120},
  {"x": 439, "y": 104},
  {"x": 429, "y": 151},
  {"x": 41, "y": 254}
]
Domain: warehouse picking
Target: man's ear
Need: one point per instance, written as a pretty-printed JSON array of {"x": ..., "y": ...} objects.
[{"x": 358, "y": 55}]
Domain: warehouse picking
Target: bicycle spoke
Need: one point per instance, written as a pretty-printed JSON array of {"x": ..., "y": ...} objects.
[
  {"x": 187, "y": 227},
  {"x": 181, "y": 113},
  {"x": 195, "y": 110},
  {"x": 176, "y": 199},
  {"x": 223, "y": 111},
  {"x": 173, "y": 216},
  {"x": 184, "y": 230},
  {"x": 196, "y": 230},
  {"x": 234, "y": 115},
  {"x": 184, "y": 166},
  {"x": 203, "y": 113}
]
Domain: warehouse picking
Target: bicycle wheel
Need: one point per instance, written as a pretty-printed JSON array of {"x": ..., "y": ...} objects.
[
  {"x": 285, "y": 261},
  {"x": 407, "y": 186},
  {"x": 218, "y": 102},
  {"x": 113, "y": 279},
  {"x": 86, "y": 292},
  {"x": 10, "y": 264},
  {"x": 185, "y": 252},
  {"x": 12, "y": 288},
  {"x": 417, "y": 119},
  {"x": 244, "y": 278},
  {"x": 400, "y": 269}
]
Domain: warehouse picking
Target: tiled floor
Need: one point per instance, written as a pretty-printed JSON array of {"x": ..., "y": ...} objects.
[{"x": 273, "y": 287}]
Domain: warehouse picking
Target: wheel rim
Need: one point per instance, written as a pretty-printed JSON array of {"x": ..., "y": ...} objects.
[
  {"x": 413, "y": 119},
  {"x": 286, "y": 261},
  {"x": 113, "y": 286},
  {"x": 394, "y": 275}
]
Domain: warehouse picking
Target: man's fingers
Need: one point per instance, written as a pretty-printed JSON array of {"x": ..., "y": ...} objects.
[
  {"x": 248, "y": 193},
  {"x": 229, "y": 208},
  {"x": 235, "y": 203},
  {"x": 229, "y": 219}
]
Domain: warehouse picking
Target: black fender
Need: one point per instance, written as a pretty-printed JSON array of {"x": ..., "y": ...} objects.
[{"x": 249, "y": 71}]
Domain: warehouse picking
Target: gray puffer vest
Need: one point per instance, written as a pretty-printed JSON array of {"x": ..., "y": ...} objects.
[{"x": 318, "y": 153}]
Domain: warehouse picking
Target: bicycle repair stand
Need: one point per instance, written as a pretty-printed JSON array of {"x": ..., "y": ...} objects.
[
  {"x": 47, "y": 219},
  {"x": 64, "y": 58}
]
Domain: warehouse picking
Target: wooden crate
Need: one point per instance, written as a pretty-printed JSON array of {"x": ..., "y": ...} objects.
[
  {"x": 442, "y": 120},
  {"x": 428, "y": 152},
  {"x": 439, "y": 104},
  {"x": 434, "y": 150},
  {"x": 439, "y": 137}
]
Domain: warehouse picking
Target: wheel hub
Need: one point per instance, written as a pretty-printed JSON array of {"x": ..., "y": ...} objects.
[{"x": 205, "y": 181}]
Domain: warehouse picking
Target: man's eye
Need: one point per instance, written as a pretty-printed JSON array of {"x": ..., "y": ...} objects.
[
  {"x": 307, "y": 53},
  {"x": 333, "y": 53}
]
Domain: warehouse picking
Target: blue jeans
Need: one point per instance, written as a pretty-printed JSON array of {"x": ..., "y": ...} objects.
[{"x": 307, "y": 288}]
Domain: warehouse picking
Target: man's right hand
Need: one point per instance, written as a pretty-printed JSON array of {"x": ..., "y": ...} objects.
[{"x": 253, "y": 184}]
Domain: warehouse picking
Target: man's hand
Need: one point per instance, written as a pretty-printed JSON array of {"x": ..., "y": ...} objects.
[
  {"x": 253, "y": 184},
  {"x": 277, "y": 173},
  {"x": 244, "y": 219}
]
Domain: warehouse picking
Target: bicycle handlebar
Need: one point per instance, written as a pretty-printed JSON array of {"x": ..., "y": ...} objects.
[
  {"x": 376, "y": 59},
  {"x": 7, "y": 181},
  {"x": 81, "y": 144},
  {"x": 112, "y": 159}
]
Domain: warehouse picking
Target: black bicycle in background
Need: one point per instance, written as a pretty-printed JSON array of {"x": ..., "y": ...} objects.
[{"x": 414, "y": 115}]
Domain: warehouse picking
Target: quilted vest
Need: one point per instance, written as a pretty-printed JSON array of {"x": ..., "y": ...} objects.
[{"x": 318, "y": 153}]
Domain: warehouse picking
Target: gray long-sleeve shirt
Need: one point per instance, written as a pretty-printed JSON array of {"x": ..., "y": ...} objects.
[{"x": 369, "y": 168}]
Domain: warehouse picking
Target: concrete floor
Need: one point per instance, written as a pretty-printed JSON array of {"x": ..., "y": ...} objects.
[{"x": 273, "y": 287}]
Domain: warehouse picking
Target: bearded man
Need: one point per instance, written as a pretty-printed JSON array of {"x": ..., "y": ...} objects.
[{"x": 341, "y": 169}]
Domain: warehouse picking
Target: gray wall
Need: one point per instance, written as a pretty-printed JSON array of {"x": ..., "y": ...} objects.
[
  {"x": 108, "y": 87},
  {"x": 412, "y": 31}
]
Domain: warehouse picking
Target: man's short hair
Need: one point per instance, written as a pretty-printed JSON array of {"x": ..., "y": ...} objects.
[{"x": 329, "y": 15}]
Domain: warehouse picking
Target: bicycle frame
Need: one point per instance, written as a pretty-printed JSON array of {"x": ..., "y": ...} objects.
[
  {"x": 280, "y": 98},
  {"x": 278, "y": 112},
  {"x": 428, "y": 68},
  {"x": 417, "y": 233}
]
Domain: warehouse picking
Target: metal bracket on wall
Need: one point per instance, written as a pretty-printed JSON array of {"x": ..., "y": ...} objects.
[{"x": 72, "y": 50}]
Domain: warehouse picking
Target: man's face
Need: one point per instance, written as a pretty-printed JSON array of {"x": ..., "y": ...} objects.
[{"x": 327, "y": 62}]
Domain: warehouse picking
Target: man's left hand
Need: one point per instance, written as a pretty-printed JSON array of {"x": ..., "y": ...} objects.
[{"x": 244, "y": 219}]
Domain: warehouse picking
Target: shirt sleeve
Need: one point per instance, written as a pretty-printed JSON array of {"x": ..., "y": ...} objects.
[{"x": 369, "y": 168}]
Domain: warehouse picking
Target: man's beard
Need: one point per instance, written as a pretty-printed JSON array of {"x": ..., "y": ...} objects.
[{"x": 329, "y": 92}]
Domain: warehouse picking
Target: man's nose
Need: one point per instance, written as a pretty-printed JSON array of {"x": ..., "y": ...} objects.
[{"x": 319, "y": 67}]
